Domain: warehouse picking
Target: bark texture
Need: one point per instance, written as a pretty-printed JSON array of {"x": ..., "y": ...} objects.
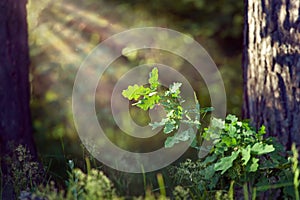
[
  {"x": 271, "y": 67},
  {"x": 15, "y": 120}
]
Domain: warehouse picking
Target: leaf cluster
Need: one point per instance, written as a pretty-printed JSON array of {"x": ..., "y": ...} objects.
[
  {"x": 239, "y": 153},
  {"x": 170, "y": 99},
  {"x": 145, "y": 97},
  {"x": 237, "y": 141}
]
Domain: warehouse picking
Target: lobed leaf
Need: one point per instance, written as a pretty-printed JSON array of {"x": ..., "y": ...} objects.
[
  {"x": 170, "y": 142},
  {"x": 153, "y": 79},
  {"x": 148, "y": 102},
  {"x": 260, "y": 148},
  {"x": 246, "y": 154},
  {"x": 253, "y": 165},
  {"x": 174, "y": 90},
  {"x": 232, "y": 118},
  {"x": 217, "y": 123},
  {"x": 179, "y": 137},
  {"x": 135, "y": 92},
  {"x": 225, "y": 163},
  {"x": 169, "y": 126}
]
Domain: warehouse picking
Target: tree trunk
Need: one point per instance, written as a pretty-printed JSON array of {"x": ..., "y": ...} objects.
[
  {"x": 271, "y": 67},
  {"x": 15, "y": 119}
]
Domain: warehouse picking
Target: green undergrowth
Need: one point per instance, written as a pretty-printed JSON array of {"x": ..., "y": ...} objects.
[
  {"x": 234, "y": 159},
  {"x": 203, "y": 178},
  {"x": 232, "y": 154},
  {"x": 192, "y": 179}
]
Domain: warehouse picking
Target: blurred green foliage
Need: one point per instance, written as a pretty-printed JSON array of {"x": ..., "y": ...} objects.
[{"x": 62, "y": 33}]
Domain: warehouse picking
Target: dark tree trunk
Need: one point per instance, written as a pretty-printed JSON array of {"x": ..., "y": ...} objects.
[
  {"x": 271, "y": 67},
  {"x": 15, "y": 120}
]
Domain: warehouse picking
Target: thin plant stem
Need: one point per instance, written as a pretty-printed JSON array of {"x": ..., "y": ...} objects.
[{"x": 246, "y": 193}]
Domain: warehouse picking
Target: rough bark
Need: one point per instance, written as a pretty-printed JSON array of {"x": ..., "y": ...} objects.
[
  {"x": 15, "y": 120},
  {"x": 271, "y": 67}
]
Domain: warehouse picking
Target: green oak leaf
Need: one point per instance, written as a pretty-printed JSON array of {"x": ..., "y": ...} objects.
[
  {"x": 229, "y": 141},
  {"x": 246, "y": 154},
  {"x": 148, "y": 102},
  {"x": 232, "y": 118},
  {"x": 261, "y": 132},
  {"x": 253, "y": 166},
  {"x": 174, "y": 90},
  {"x": 231, "y": 130},
  {"x": 179, "y": 137},
  {"x": 209, "y": 159},
  {"x": 170, "y": 142},
  {"x": 170, "y": 126},
  {"x": 185, "y": 135},
  {"x": 135, "y": 92},
  {"x": 155, "y": 125},
  {"x": 217, "y": 123},
  {"x": 260, "y": 148},
  {"x": 153, "y": 79},
  {"x": 177, "y": 114},
  {"x": 209, "y": 172},
  {"x": 225, "y": 163}
]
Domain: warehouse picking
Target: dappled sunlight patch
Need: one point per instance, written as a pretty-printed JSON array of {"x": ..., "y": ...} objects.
[{"x": 63, "y": 33}]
